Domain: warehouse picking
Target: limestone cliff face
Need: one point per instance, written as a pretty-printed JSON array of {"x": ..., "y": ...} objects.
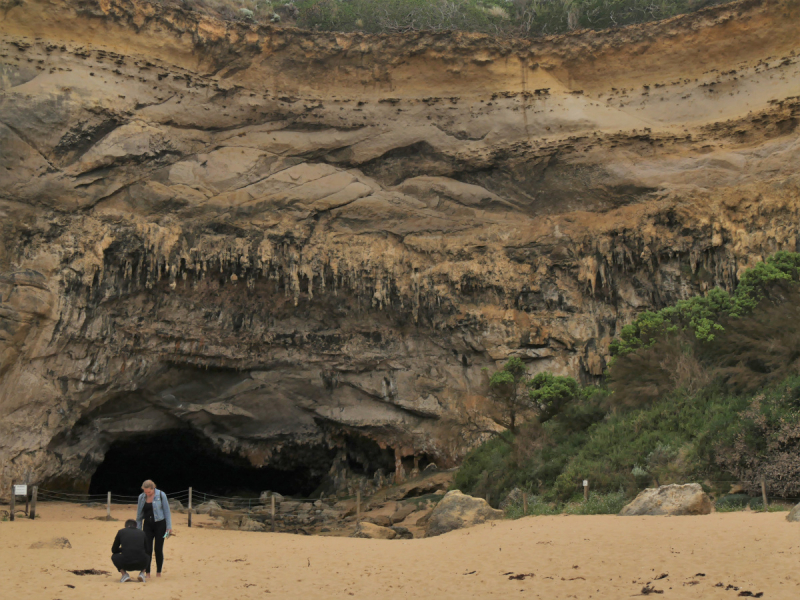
[{"x": 279, "y": 237}]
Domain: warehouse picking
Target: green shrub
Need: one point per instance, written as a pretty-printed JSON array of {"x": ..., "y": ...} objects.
[
  {"x": 683, "y": 404},
  {"x": 536, "y": 507},
  {"x": 519, "y": 18},
  {"x": 483, "y": 466},
  {"x": 757, "y": 505},
  {"x": 732, "y": 502},
  {"x": 597, "y": 504},
  {"x": 523, "y": 18},
  {"x": 702, "y": 314}
]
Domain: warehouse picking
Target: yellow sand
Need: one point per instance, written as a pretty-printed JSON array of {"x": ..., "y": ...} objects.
[{"x": 571, "y": 557}]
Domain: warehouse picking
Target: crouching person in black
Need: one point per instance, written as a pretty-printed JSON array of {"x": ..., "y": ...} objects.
[{"x": 129, "y": 552}]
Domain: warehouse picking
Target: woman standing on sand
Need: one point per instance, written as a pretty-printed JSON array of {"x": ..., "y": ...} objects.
[{"x": 153, "y": 517}]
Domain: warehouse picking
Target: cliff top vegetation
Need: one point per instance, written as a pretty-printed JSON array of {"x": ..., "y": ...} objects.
[{"x": 516, "y": 18}]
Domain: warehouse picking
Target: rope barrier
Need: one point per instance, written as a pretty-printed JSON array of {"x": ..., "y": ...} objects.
[
  {"x": 75, "y": 497},
  {"x": 197, "y": 494}
]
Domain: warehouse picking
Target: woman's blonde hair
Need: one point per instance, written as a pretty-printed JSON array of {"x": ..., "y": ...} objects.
[{"x": 148, "y": 483}]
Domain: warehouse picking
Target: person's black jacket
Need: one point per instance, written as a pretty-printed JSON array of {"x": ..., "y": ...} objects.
[{"x": 131, "y": 542}]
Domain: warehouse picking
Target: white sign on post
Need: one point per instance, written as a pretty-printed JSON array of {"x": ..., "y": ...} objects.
[
  {"x": 585, "y": 483},
  {"x": 20, "y": 490}
]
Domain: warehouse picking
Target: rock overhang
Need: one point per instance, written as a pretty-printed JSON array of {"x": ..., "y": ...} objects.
[{"x": 205, "y": 225}]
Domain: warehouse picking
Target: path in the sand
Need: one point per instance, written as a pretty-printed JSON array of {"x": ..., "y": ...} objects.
[{"x": 598, "y": 557}]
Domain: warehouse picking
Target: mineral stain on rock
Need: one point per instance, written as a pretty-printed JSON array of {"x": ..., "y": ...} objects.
[{"x": 232, "y": 228}]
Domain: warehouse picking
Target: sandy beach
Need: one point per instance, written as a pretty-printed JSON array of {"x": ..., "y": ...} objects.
[{"x": 569, "y": 557}]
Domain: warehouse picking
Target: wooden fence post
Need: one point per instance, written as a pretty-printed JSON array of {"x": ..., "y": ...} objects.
[
  {"x": 358, "y": 506},
  {"x": 34, "y": 496},
  {"x": 108, "y": 507},
  {"x": 190, "y": 507},
  {"x": 13, "y": 500},
  {"x": 272, "y": 511},
  {"x": 585, "y": 490},
  {"x": 524, "y": 504},
  {"x": 27, "y": 483},
  {"x": 764, "y": 492}
]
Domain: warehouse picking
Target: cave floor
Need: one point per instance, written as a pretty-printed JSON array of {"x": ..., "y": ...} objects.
[{"x": 570, "y": 557}]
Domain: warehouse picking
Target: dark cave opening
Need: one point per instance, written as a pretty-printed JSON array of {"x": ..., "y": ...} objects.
[
  {"x": 180, "y": 458},
  {"x": 365, "y": 456}
]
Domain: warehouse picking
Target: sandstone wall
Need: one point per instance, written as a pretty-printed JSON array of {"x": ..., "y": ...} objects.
[{"x": 274, "y": 235}]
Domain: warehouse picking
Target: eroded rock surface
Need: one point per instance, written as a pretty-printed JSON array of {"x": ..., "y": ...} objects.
[
  {"x": 457, "y": 511},
  {"x": 285, "y": 239},
  {"x": 374, "y": 532},
  {"x": 793, "y": 516},
  {"x": 674, "y": 500}
]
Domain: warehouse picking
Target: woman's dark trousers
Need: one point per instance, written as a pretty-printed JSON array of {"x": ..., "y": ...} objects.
[{"x": 154, "y": 532}]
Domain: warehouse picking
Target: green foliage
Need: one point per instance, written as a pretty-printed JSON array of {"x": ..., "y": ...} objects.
[
  {"x": 506, "y": 387},
  {"x": 598, "y": 504},
  {"x": 702, "y": 314},
  {"x": 518, "y": 18},
  {"x": 706, "y": 389},
  {"x": 505, "y": 380},
  {"x": 732, "y": 502},
  {"x": 487, "y": 460},
  {"x": 537, "y": 506},
  {"x": 766, "y": 441},
  {"x": 551, "y": 393},
  {"x": 547, "y": 393},
  {"x": 754, "y": 284},
  {"x": 501, "y": 380},
  {"x": 675, "y": 440},
  {"x": 757, "y": 505},
  {"x": 681, "y": 438},
  {"x": 525, "y": 18}
]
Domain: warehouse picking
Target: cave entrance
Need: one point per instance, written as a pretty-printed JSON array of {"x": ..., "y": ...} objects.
[
  {"x": 364, "y": 456},
  {"x": 177, "y": 459}
]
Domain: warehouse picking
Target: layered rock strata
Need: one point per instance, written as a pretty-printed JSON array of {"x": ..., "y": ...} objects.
[{"x": 276, "y": 236}]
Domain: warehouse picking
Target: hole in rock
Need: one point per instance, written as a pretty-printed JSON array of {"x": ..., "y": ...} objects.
[{"x": 177, "y": 459}]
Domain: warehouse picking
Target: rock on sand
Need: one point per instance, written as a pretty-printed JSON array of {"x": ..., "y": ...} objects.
[
  {"x": 206, "y": 507},
  {"x": 688, "y": 499},
  {"x": 456, "y": 511},
  {"x": 249, "y": 524},
  {"x": 374, "y": 532},
  {"x": 794, "y": 514}
]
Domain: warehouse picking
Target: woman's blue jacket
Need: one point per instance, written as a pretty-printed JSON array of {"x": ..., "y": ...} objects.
[{"x": 160, "y": 508}]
